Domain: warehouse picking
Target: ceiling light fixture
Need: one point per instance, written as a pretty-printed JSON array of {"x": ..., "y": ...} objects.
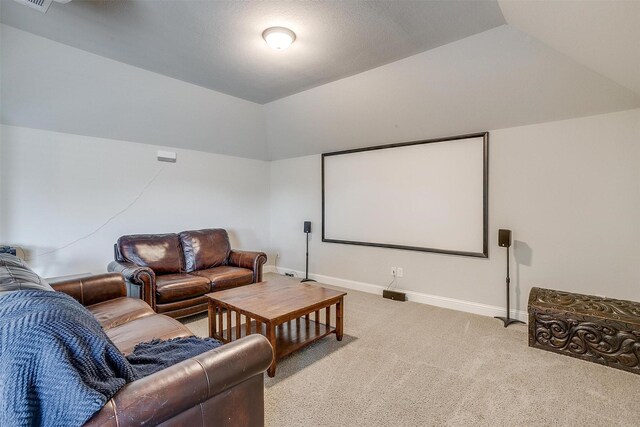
[{"x": 278, "y": 38}]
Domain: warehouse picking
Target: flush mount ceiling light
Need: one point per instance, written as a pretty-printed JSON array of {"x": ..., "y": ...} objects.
[{"x": 278, "y": 38}]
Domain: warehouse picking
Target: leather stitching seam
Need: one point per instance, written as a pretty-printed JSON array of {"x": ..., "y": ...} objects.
[{"x": 206, "y": 376}]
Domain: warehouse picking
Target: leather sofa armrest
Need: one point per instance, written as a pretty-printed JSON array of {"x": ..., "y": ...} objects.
[
  {"x": 250, "y": 260},
  {"x": 164, "y": 395},
  {"x": 140, "y": 276},
  {"x": 91, "y": 289}
]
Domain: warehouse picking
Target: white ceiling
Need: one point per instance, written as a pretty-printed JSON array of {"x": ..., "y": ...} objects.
[
  {"x": 498, "y": 79},
  {"x": 218, "y": 44},
  {"x": 554, "y": 60},
  {"x": 603, "y": 35}
]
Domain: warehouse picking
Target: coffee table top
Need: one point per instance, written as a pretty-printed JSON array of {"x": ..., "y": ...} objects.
[{"x": 277, "y": 298}]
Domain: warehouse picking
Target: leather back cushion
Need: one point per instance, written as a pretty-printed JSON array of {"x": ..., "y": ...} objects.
[
  {"x": 205, "y": 248},
  {"x": 15, "y": 275},
  {"x": 160, "y": 252}
]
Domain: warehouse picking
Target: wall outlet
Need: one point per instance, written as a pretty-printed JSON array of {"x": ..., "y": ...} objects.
[
  {"x": 393, "y": 271},
  {"x": 400, "y": 272}
]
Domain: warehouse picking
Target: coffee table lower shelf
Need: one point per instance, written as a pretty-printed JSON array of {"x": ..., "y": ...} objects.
[{"x": 290, "y": 336}]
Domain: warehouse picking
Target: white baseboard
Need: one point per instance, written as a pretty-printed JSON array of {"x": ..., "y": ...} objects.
[{"x": 438, "y": 301}]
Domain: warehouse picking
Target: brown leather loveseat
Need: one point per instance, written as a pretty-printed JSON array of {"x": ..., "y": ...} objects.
[
  {"x": 174, "y": 271},
  {"x": 221, "y": 387}
]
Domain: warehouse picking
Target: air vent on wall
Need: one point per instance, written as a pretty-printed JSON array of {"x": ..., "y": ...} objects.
[{"x": 40, "y": 5}]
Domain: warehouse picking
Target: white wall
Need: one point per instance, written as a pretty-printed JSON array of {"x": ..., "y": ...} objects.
[
  {"x": 2, "y": 225},
  {"x": 569, "y": 190},
  {"x": 58, "y": 187},
  {"x": 49, "y": 85}
]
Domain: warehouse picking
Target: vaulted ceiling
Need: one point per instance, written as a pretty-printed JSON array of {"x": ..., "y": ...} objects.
[
  {"x": 218, "y": 44},
  {"x": 414, "y": 69},
  {"x": 602, "y": 35}
]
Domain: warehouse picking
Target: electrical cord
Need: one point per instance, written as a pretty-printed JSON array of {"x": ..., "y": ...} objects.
[
  {"x": 104, "y": 224},
  {"x": 392, "y": 282}
]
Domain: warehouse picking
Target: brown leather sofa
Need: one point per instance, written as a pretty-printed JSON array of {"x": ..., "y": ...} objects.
[
  {"x": 174, "y": 271},
  {"x": 222, "y": 387}
]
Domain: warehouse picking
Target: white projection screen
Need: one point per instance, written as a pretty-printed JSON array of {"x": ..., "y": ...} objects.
[{"x": 427, "y": 196}]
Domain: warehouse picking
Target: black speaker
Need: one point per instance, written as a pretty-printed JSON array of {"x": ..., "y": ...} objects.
[
  {"x": 307, "y": 230},
  {"x": 504, "y": 238}
]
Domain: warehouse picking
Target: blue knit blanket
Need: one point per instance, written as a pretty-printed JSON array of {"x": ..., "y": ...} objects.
[
  {"x": 56, "y": 362},
  {"x": 58, "y": 367}
]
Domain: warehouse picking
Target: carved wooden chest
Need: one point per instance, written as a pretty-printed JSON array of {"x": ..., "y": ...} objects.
[{"x": 600, "y": 330}]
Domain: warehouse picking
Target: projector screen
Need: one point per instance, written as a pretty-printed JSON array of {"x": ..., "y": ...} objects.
[{"x": 427, "y": 196}]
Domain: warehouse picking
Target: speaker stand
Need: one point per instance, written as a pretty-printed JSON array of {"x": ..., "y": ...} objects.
[
  {"x": 306, "y": 268},
  {"x": 508, "y": 320}
]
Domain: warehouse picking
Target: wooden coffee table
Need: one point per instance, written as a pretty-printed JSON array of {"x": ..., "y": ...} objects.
[{"x": 279, "y": 309}]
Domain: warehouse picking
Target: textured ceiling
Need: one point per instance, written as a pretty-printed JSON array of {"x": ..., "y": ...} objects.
[
  {"x": 553, "y": 61},
  {"x": 218, "y": 44}
]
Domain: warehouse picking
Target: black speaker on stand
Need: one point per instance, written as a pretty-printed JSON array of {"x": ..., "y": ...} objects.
[
  {"x": 307, "y": 230},
  {"x": 504, "y": 240}
]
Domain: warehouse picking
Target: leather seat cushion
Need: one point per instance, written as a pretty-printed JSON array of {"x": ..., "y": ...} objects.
[
  {"x": 176, "y": 287},
  {"x": 128, "y": 335},
  {"x": 205, "y": 248},
  {"x": 118, "y": 311},
  {"x": 226, "y": 277},
  {"x": 160, "y": 252},
  {"x": 183, "y": 308}
]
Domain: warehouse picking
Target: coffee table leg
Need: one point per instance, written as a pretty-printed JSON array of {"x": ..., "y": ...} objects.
[
  {"x": 271, "y": 336},
  {"x": 339, "y": 317},
  {"x": 212, "y": 319}
]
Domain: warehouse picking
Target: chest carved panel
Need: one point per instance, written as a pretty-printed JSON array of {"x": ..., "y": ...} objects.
[{"x": 596, "y": 329}]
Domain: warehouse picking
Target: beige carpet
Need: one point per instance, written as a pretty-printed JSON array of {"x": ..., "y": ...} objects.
[{"x": 409, "y": 364}]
